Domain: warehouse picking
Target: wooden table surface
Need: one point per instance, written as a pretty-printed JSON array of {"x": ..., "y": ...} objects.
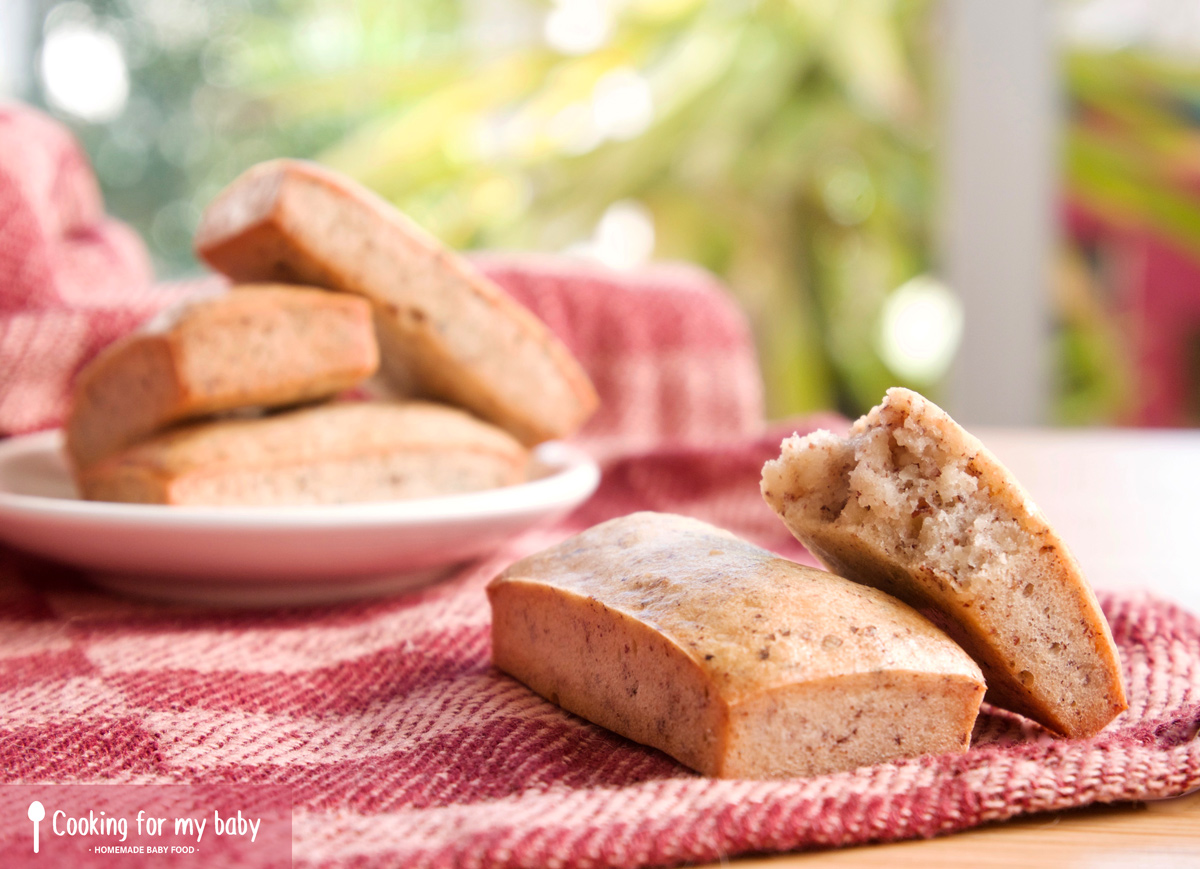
[
  {"x": 1127, "y": 504},
  {"x": 1164, "y": 834}
]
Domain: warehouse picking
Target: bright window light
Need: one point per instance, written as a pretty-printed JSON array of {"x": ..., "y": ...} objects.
[
  {"x": 920, "y": 328},
  {"x": 327, "y": 42},
  {"x": 84, "y": 73},
  {"x": 622, "y": 105},
  {"x": 578, "y": 26},
  {"x": 624, "y": 237},
  {"x": 1111, "y": 25}
]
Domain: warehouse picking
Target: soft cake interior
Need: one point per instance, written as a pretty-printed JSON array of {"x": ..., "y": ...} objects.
[
  {"x": 911, "y": 504},
  {"x": 896, "y": 483}
]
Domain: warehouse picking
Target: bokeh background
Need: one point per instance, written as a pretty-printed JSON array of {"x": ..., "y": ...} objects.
[{"x": 797, "y": 149}]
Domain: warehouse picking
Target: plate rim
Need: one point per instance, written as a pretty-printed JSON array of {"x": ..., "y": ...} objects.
[{"x": 574, "y": 478}]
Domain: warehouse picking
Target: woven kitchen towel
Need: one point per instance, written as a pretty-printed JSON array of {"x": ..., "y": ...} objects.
[
  {"x": 403, "y": 747},
  {"x": 670, "y": 354},
  {"x": 71, "y": 280}
]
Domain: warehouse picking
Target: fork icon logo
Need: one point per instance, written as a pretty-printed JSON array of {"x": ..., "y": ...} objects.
[{"x": 37, "y": 813}]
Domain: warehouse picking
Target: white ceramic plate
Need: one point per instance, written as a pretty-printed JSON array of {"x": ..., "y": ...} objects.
[{"x": 260, "y": 556}]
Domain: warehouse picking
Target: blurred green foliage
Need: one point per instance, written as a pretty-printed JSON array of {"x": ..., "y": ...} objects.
[{"x": 788, "y": 149}]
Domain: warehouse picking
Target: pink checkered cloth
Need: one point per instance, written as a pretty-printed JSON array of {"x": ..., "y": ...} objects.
[
  {"x": 71, "y": 280},
  {"x": 401, "y": 745}
]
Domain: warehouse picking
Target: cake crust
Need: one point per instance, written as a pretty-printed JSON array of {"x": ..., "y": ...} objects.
[
  {"x": 912, "y": 504},
  {"x": 339, "y": 452},
  {"x": 445, "y": 330},
  {"x": 736, "y": 662},
  {"x": 255, "y": 346}
]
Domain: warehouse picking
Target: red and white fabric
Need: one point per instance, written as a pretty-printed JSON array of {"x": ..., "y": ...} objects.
[
  {"x": 401, "y": 745},
  {"x": 71, "y": 280}
]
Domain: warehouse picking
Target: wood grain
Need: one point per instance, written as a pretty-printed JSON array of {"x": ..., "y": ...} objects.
[{"x": 1159, "y": 834}]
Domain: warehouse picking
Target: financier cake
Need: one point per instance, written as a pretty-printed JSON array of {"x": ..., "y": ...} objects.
[
  {"x": 912, "y": 504},
  {"x": 326, "y": 454},
  {"x": 445, "y": 330},
  {"x": 257, "y": 346},
  {"x": 734, "y": 661}
]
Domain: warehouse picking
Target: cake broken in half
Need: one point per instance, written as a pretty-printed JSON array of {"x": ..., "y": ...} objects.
[{"x": 912, "y": 504}]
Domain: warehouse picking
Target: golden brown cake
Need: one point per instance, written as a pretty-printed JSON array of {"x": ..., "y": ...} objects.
[
  {"x": 258, "y": 346},
  {"x": 445, "y": 330},
  {"x": 734, "y": 661},
  {"x": 912, "y": 504},
  {"x": 326, "y": 454}
]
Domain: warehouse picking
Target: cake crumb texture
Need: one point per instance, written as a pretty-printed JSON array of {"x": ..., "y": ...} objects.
[{"x": 911, "y": 503}]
